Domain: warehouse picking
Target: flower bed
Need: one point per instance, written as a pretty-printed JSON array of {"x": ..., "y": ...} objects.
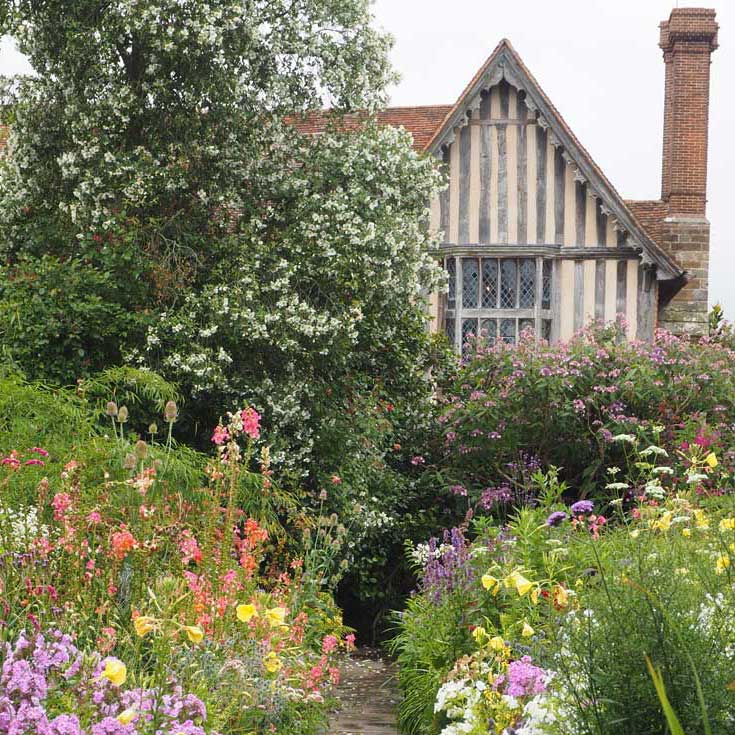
[
  {"x": 563, "y": 620},
  {"x": 131, "y": 608}
]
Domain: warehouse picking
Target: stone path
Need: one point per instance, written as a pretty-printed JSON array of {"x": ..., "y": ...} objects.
[{"x": 368, "y": 697}]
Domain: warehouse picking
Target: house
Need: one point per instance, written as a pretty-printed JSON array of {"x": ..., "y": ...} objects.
[{"x": 533, "y": 233}]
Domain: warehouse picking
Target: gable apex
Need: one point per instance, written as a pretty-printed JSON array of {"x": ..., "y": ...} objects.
[{"x": 504, "y": 63}]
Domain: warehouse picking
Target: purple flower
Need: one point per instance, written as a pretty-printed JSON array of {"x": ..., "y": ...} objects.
[
  {"x": 458, "y": 490},
  {"x": 525, "y": 679},
  {"x": 556, "y": 518},
  {"x": 581, "y": 507}
]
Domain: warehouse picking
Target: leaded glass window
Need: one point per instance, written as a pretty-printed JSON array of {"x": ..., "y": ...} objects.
[
  {"x": 527, "y": 284},
  {"x": 451, "y": 265},
  {"x": 508, "y": 283},
  {"x": 546, "y": 284},
  {"x": 489, "y": 283},
  {"x": 470, "y": 283},
  {"x": 496, "y": 299},
  {"x": 508, "y": 330}
]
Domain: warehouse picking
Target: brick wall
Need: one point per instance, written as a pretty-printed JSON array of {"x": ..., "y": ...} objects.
[{"x": 688, "y": 39}]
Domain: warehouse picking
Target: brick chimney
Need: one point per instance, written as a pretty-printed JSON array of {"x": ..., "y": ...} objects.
[{"x": 688, "y": 39}]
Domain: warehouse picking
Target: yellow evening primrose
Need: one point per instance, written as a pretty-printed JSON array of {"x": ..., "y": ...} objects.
[
  {"x": 722, "y": 563},
  {"x": 127, "y": 716},
  {"x": 272, "y": 663},
  {"x": 727, "y": 524},
  {"x": 711, "y": 460},
  {"x": 246, "y": 612},
  {"x": 664, "y": 522},
  {"x": 527, "y": 631},
  {"x": 194, "y": 633},
  {"x": 701, "y": 519},
  {"x": 479, "y": 633},
  {"x": 496, "y": 643},
  {"x": 522, "y": 585},
  {"x": 535, "y": 592},
  {"x": 276, "y": 616},
  {"x": 686, "y": 532},
  {"x": 115, "y": 671},
  {"x": 144, "y": 624},
  {"x": 560, "y": 596},
  {"x": 490, "y": 583}
]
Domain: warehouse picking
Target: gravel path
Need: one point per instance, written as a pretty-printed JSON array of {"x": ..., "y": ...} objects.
[{"x": 368, "y": 695}]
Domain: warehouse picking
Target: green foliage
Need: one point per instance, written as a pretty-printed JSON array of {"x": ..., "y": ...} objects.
[{"x": 62, "y": 319}]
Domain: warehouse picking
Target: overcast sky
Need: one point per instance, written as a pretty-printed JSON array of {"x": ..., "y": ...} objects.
[{"x": 599, "y": 62}]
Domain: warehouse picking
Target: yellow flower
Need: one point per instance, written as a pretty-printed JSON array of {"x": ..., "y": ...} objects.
[
  {"x": 535, "y": 592},
  {"x": 686, "y": 532},
  {"x": 144, "y": 624},
  {"x": 723, "y": 562},
  {"x": 272, "y": 663},
  {"x": 711, "y": 460},
  {"x": 490, "y": 583},
  {"x": 116, "y": 671},
  {"x": 727, "y": 524},
  {"x": 701, "y": 519},
  {"x": 194, "y": 633},
  {"x": 496, "y": 643},
  {"x": 522, "y": 585},
  {"x": 664, "y": 522},
  {"x": 245, "y": 613},
  {"x": 479, "y": 633},
  {"x": 635, "y": 534},
  {"x": 127, "y": 716},
  {"x": 561, "y": 596},
  {"x": 276, "y": 616},
  {"x": 527, "y": 631}
]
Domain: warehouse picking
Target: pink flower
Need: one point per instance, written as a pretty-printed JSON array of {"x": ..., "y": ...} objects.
[
  {"x": 40, "y": 451},
  {"x": 329, "y": 643},
  {"x": 350, "y": 641},
  {"x": 336, "y": 480},
  {"x": 39, "y": 462},
  {"x": 61, "y": 503},
  {"x": 94, "y": 517},
  {"x": 221, "y": 435},
  {"x": 250, "y": 422},
  {"x": 189, "y": 548},
  {"x": 418, "y": 460}
]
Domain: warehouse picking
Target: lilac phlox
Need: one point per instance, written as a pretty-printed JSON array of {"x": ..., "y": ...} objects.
[{"x": 525, "y": 679}]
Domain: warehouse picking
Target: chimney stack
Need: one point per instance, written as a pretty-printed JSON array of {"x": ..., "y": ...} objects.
[{"x": 688, "y": 39}]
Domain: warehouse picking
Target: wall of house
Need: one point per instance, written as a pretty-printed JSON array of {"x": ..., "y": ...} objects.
[{"x": 513, "y": 189}]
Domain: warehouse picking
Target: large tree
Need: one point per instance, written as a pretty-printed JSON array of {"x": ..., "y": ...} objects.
[{"x": 157, "y": 207}]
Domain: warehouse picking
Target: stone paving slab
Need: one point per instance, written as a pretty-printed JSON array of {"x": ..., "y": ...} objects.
[{"x": 368, "y": 697}]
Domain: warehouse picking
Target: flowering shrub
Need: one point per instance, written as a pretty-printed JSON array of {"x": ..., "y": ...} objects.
[
  {"x": 513, "y": 410},
  {"x": 543, "y": 625}
]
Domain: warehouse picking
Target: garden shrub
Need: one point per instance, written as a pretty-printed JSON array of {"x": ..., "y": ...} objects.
[{"x": 533, "y": 406}]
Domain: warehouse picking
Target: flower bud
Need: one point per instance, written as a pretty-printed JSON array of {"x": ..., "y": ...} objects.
[
  {"x": 122, "y": 414},
  {"x": 141, "y": 449},
  {"x": 130, "y": 462},
  {"x": 153, "y": 429},
  {"x": 171, "y": 412},
  {"x": 111, "y": 408}
]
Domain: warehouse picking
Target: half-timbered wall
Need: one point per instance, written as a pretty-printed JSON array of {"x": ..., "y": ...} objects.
[{"x": 514, "y": 192}]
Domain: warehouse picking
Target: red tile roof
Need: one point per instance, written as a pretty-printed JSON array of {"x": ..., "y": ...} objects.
[
  {"x": 421, "y": 122},
  {"x": 650, "y": 214}
]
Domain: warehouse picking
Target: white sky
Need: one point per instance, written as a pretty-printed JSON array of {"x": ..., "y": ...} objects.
[{"x": 599, "y": 62}]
